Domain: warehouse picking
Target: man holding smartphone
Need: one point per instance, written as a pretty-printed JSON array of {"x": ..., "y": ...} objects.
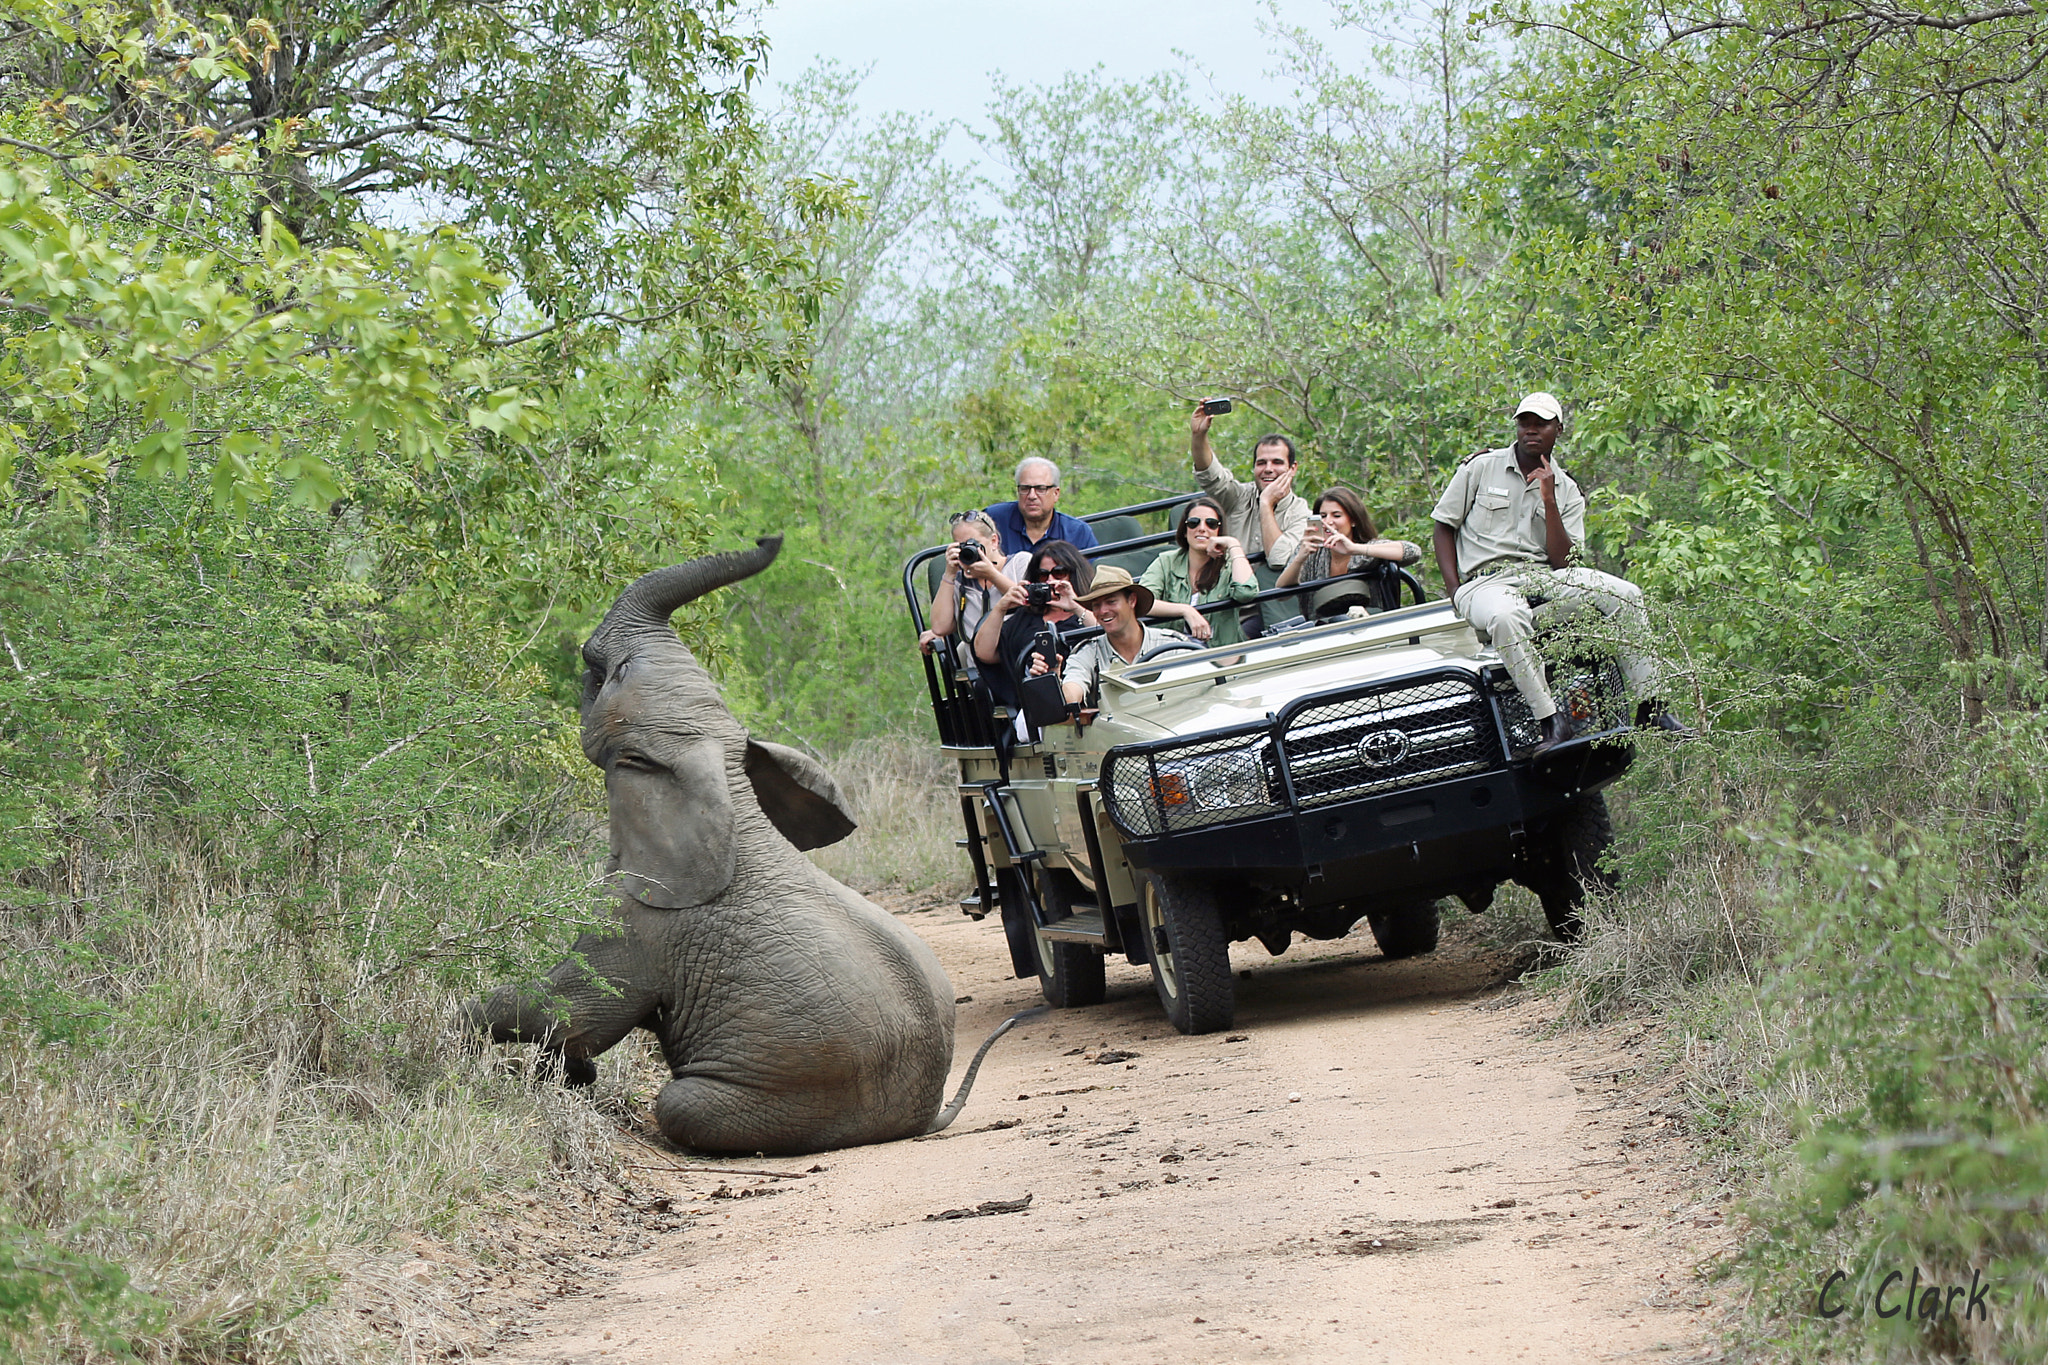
[
  {"x": 1265, "y": 514},
  {"x": 1506, "y": 528}
]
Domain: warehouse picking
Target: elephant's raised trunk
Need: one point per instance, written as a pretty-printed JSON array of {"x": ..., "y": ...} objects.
[{"x": 652, "y": 599}]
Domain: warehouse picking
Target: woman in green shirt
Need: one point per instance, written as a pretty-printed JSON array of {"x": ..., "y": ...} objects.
[{"x": 1205, "y": 566}]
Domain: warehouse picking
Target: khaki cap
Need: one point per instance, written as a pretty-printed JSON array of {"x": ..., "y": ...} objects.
[
  {"x": 1108, "y": 579},
  {"x": 1542, "y": 405}
]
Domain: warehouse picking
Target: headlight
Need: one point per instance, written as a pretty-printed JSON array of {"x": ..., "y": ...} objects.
[{"x": 1205, "y": 783}]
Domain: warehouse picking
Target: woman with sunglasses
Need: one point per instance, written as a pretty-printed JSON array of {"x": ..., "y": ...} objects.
[
  {"x": 1204, "y": 566},
  {"x": 969, "y": 589},
  {"x": 1008, "y": 636},
  {"x": 1339, "y": 539}
]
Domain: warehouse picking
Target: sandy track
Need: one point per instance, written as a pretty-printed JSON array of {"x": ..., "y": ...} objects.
[{"x": 1450, "y": 1185}]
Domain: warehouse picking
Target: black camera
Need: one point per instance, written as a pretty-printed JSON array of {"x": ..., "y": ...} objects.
[
  {"x": 1215, "y": 407},
  {"x": 970, "y": 552},
  {"x": 1038, "y": 596},
  {"x": 1044, "y": 701}
]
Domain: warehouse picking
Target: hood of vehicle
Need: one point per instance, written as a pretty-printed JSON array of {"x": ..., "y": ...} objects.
[{"x": 1196, "y": 692}]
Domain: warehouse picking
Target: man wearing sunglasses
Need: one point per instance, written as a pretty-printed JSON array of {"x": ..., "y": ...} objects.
[
  {"x": 1265, "y": 514},
  {"x": 1034, "y": 517}
]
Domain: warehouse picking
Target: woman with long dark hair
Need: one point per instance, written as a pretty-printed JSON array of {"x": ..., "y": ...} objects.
[
  {"x": 1340, "y": 543},
  {"x": 1013, "y": 629},
  {"x": 1204, "y": 566}
]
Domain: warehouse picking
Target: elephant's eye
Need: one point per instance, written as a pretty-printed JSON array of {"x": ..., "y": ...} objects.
[{"x": 639, "y": 763}]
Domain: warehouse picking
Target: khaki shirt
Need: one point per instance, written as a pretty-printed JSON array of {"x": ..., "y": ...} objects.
[
  {"x": 1240, "y": 504},
  {"x": 1092, "y": 658},
  {"x": 1498, "y": 514}
]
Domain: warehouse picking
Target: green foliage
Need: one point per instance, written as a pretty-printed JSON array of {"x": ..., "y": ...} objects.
[
  {"x": 601, "y": 154},
  {"x": 1835, "y": 222},
  {"x": 1918, "y": 1003},
  {"x": 43, "y": 1286},
  {"x": 132, "y": 351}
]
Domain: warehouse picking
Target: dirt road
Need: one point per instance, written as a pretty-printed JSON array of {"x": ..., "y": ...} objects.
[{"x": 1384, "y": 1162}]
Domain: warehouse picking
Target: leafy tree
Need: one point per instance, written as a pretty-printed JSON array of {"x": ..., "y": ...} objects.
[
  {"x": 601, "y": 153},
  {"x": 1841, "y": 212}
]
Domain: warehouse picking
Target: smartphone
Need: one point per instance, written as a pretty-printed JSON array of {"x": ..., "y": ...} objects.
[{"x": 1214, "y": 407}]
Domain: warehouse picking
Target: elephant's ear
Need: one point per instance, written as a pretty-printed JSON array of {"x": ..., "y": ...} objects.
[
  {"x": 672, "y": 831},
  {"x": 798, "y": 797}
]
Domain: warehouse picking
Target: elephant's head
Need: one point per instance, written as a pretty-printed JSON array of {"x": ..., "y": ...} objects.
[{"x": 683, "y": 778}]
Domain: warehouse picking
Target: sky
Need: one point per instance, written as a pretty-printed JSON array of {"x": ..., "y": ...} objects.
[{"x": 935, "y": 56}]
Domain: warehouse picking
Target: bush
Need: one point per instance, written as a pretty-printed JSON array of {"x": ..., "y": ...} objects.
[{"x": 264, "y": 830}]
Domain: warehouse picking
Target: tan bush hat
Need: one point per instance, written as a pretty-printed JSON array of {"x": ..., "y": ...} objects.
[
  {"x": 1542, "y": 405},
  {"x": 1108, "y": 579}
]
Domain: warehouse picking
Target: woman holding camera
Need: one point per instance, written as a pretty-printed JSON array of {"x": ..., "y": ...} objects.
[
  {"x": 1340, "y": 537},
  {"x": 1204, "y": 566},
  {"x": 976, "y": 578},
  {"x": 1022, "y": 619}
]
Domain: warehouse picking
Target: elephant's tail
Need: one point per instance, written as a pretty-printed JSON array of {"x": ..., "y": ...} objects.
[{"x": 952, "y": 1111}]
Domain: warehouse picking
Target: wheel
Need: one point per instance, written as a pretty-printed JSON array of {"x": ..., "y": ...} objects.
[
  {"x": 1190, "y": 954},
  {"x": 1409, "y": 931},
  {"x": 1069, "y": 974},
  {"x": 1564, "y": 862}
]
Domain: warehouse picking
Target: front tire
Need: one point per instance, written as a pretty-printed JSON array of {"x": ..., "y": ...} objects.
[
  {"x": 1565, "y": 863},
  {"x": 1190, "y": 953},
  {"x": 1407, "y": 932}
]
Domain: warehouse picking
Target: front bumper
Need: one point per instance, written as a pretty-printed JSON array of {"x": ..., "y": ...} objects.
[{"x": 1412, "y": 776}]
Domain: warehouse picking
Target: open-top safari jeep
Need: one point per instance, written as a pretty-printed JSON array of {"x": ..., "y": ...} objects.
[{"x": 1364, "y": 767}]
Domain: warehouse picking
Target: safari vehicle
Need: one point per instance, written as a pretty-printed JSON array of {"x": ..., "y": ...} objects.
[{"x": 1368, "y": 767}]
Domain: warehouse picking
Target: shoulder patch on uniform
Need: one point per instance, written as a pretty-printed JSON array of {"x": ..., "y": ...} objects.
[{"x": 1475, "y": 455}]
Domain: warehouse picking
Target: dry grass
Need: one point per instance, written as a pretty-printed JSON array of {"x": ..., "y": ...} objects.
[
  {"x": 265, "y": 1121},
  {"x": 255, "y": 1129}
]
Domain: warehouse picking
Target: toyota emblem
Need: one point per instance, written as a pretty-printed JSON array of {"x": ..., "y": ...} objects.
[{"x": 1383, "y": 748}]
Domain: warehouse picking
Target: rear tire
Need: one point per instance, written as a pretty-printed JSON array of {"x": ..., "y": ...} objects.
[
  {"x": 1564, "y": 864},
  {"x": 1190, "y": 953},
  {"x": 1407, "y": 932},
  {"x": 1070, "y": 975}
]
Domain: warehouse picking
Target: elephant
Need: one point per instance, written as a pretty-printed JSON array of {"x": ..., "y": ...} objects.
[{"x": 795, "y": 1015}]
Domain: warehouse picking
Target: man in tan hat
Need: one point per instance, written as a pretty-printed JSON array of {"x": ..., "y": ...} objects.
[
  {"x": 1506, "y": 528},
  {"x": 1119, "y": 606}
]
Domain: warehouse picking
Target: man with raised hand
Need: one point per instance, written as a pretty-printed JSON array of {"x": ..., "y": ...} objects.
[
  {"x": 1034, "y": 517},
  {"x": 1506, "y": 530},
  {"x": 1265, "y": 514}
]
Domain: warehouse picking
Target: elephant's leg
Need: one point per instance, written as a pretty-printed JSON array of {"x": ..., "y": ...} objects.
[
  {"x": 707, "y": 1114},
  {"x": 578, "y": 1010},
  {"x": 711, "y": 1114}
]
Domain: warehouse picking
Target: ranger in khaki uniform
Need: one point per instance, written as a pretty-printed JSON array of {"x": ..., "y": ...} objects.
[{"x": 1505, "y": 531}]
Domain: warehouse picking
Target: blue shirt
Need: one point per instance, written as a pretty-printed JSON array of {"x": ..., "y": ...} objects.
[{"x": 1009, "y": 519}]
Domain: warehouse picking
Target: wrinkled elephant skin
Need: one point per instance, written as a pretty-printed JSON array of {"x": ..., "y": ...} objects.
[{"x": 794, "y": 1015}]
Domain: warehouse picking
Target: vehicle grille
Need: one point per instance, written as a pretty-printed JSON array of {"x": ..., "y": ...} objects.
[{"x": 1402, "y": 735}]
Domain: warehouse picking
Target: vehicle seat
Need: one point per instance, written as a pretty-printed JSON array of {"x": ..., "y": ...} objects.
[{"x": 1110, "y": 530}]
